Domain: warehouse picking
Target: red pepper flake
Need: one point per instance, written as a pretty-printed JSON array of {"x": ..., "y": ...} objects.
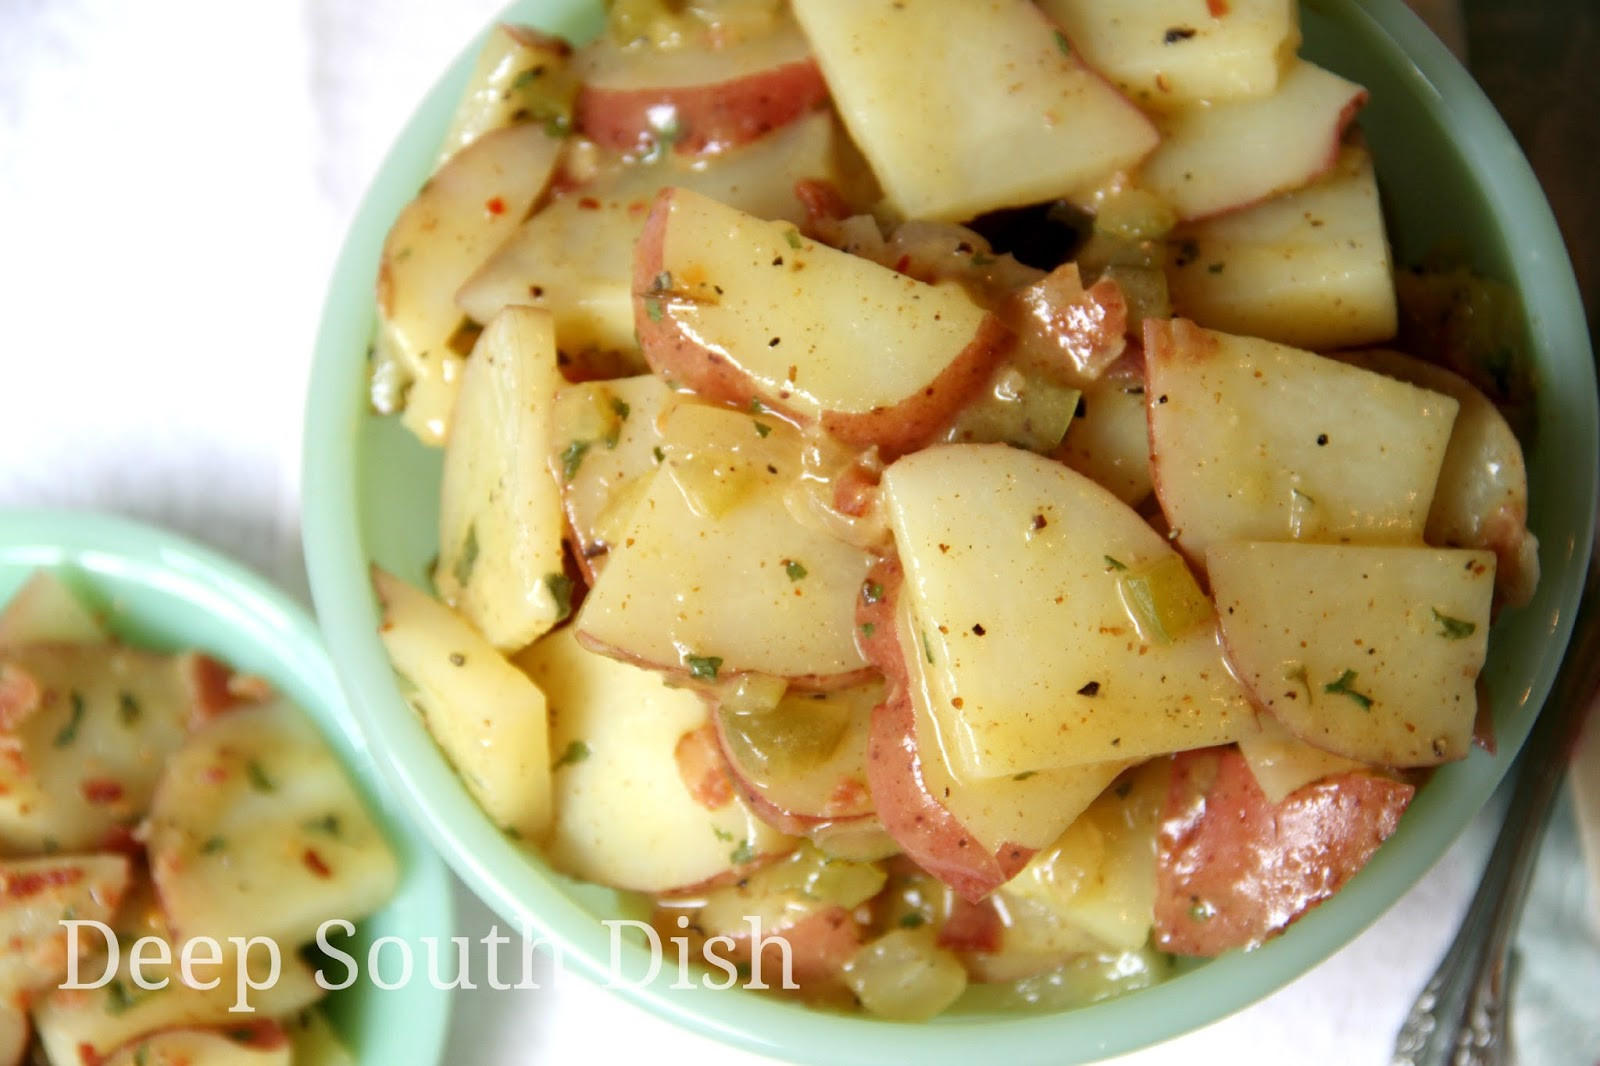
[
  {"x": 315, "y": 864},
  {"x": 101, "y": 790},
  {"x": 1218, "y": 8},
  {"x": 495, "y": 206},
  {"x": 87, "y": 1055},
  {"x": 588, "y": 203}
]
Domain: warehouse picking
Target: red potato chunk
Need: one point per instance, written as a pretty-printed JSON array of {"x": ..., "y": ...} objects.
[
  {"x": 700, "y": 119},
  {"x": 1234, "y": 870},
  {"x": 924, "y": 827}
]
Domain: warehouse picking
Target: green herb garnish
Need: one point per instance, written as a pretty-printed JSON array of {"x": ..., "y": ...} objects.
[
  {"x": 560, "y": 586},
  {"x": 69, "y": 732},
  {"x": 575, "y": 752},
  {"x": 794, "y": 569},
  {"x": 258, "y": 777},
  {"x": 128, "y": 708},
  {"x": 1454, "y": 628},
  {"x": 743, "y": 853},
  {"x": 572, "y": 457},
  {"x": 703, "y": 667},
  {"x": 468, "y": 559},
  {"x": 1342, "y": 687},
  {"x": 762, "y": 429}
]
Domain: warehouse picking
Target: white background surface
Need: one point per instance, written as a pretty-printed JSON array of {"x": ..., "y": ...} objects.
[{"x": 175, "y": 177}]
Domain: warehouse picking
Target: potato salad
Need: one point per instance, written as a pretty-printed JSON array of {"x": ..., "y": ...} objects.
[
  {"x": 172, "y": 835},
  {"x": 937, "y": 495}
]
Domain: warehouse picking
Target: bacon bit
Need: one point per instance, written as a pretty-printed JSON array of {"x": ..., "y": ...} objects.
[
  {"x": 495, "y": 205},
  {"x": 1217, "y": 8},
  {"x": 88, "y": 1056},
  {"x": 20, "y": 696},
  {"x": 822, "y": 202},
  {"x": 208, "y": 684},
  {"x": 32, "y": 882},
  {"x": 588, "y": 203},
  {"x": 855, "y": 488},
  {"x": 101, "y": 790},
  {"x": 122, "y": 839},
  {"x": 250, "y": 688},
  {"x": 971, "y": 927},
  {"x": 315, "y": 864},
  {"x": 1087, "y": 326},
  {"x": 903, "y": 264},
  {"x": 214, "y": 774},
  {"x": 704, "y": 768}
]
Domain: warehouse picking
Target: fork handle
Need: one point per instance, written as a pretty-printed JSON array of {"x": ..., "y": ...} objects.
[{"x": 1461, "y": 1016}]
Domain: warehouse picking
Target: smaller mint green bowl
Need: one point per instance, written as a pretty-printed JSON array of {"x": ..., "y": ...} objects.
[
  {"x": 1449, "y": 171},
  {"x": 161, "y": 591}
]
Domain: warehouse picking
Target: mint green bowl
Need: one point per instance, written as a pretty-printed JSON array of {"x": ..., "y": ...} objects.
[
  {"x": 160, "y": 591},
  {"x": 1449, "y": 169}
]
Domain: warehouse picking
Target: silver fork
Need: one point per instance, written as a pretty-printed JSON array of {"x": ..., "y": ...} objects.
[{"x": 1461, "y": 1017}]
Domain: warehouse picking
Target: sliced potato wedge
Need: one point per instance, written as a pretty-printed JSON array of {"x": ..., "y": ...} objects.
[
  {"x": 256, "y": 831},
  {"x": 485, "y": 715},
  {"x": 500, "y": 559},
  {"x": 1367, "y": 652}
]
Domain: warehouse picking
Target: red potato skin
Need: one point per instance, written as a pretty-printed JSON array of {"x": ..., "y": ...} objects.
[
  {"x": 929, "y": 834},
  {"x": 706, "y": 773},
  {"x": 710, "y": 118},
  {"x": 1233, "y": 870},
  {"x": 915, "y": 420},
  {"x": 820, "y": 943},
  {"x": 1341, "y": 124},
  {"x": 672, "y": 353}
]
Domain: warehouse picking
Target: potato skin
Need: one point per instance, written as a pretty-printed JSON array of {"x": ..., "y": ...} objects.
[
  {"x": 710, "y": 118},
  {"x": 928, "y": 832},
  {"x": 1233, "y": 870},
  {"x": 673, "y": 354}
]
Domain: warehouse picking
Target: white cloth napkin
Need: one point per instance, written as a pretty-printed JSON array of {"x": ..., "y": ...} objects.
[{"x": 175, "y": 177}]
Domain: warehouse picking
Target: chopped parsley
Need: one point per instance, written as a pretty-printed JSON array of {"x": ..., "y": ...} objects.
[
  {"x": 1062, "y": 44},
  {"x": 620, "y": 407},
  {"x": 703, "y": 667},
  {"x": 912, "y": 920},
  {"x": 213, "y": 845},
  {"x": 762, "y": 429},
  {"x": 572, "y": 458},
  {"x": 69, "y": 731},
  {"x": 328, "y": 825},
  {"x": 927, "y": 649},
  {"x": 652, "y": 308},
  {"x": 793, "y": 237},
  {"x": 868, "y": 628},
  {"x": 1024, "y": 775},
  {"x": 871, "y": 592},
  {"x": 1453, "y": 628},
  {"x": 722, "y": 834},
  {"x": 743, "y": 853},
  {"x": 129, "y": 711},
  {"x": 1342, "y": 687},
  {"x": 794, "y": 569},
  {"x": 1115, "y": 564},
  {"x": 560, "y": 586},
  {"x": 575, "y": 752},
  {"x": 468, "y": 559},
  {"x": 258, "y": 777},
  {"x": 660, "y": 455}
]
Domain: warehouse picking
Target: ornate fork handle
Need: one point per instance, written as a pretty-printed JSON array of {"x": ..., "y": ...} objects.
[{"x": 1460, "y": 1018}]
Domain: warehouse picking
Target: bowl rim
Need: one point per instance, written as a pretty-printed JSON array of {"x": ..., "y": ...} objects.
[
  {"x": 515, "y": 888},
  {"x": 117, "y": 551}
]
